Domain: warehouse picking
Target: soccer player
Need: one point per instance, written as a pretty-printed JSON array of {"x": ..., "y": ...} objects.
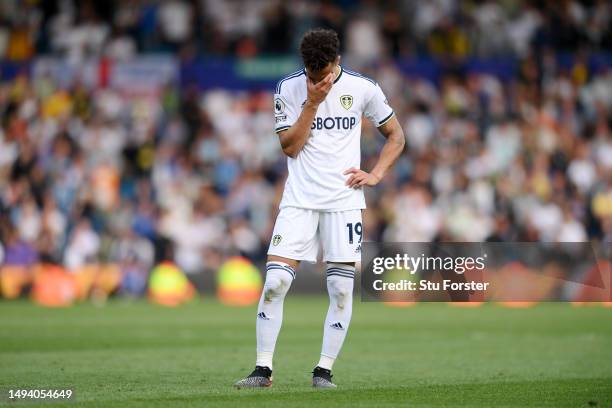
[{"x": 318, "y": 112}]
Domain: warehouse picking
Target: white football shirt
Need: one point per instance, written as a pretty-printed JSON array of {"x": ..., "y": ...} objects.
[{"x": 334, "y": 145}]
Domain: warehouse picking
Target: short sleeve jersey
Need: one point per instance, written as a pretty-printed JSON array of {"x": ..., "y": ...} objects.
[{"x": 315, "y": 178}]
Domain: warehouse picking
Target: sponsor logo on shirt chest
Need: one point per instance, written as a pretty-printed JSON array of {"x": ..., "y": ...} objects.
[{"x": 333, "y": 122}]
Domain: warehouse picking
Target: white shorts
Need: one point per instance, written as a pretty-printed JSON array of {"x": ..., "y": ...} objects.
[{"x": 298, "y": 232}]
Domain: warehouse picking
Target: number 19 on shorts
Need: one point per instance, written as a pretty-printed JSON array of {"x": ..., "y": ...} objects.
[{"x": 354, "y": 229}]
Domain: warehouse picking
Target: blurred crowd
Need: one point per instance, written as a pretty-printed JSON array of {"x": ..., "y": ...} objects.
[
  {"x": 369, "y": 29},
  {"x": 88, "y": 176}
]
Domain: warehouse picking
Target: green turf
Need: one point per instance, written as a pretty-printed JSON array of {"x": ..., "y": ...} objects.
[{"x": 135, "y": 354}]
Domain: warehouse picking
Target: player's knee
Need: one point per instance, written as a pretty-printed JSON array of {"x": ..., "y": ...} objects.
[
  {"x": 274, "y": 288},
  {"x": 340, "y": 293}
]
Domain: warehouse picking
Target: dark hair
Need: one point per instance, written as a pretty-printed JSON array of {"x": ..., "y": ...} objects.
[{"x": 319, "y": 47}]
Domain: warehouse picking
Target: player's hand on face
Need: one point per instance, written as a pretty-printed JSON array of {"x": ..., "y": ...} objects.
[
  {"x": 318, "y": 92},
  {"x": 359, "y": 178}
]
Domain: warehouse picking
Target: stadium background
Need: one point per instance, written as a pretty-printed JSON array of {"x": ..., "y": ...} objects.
[{"x": 140, "y": 131}]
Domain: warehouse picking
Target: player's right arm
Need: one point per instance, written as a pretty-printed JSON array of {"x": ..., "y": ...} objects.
[{"x": 294, "y": 138}]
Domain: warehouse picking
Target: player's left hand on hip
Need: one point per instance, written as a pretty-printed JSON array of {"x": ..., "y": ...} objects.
[{"x": 360, "y": 178}]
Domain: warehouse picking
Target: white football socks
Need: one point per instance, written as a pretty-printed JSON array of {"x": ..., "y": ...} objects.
[
  {"x": 279, "y": 276},
  {"x": 340, "y": 279}
]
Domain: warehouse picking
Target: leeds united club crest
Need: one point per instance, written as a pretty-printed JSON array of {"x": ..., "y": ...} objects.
[{"x": 346, "y": 101}]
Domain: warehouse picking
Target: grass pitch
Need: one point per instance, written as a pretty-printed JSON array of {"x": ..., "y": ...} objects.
[{"x": 136, "y": 354}]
